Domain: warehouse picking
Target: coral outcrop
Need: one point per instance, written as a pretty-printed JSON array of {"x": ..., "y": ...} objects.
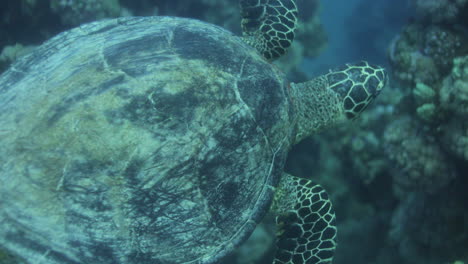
[
  {"x": 419, "y": 163},
  {"x": 424, "y": 53},
  {"x": 454, "y": 91},
  {"x": 431, "y": 228},
  {"x": 440, "y": 11},
  {"x": 76, "y": 12}
]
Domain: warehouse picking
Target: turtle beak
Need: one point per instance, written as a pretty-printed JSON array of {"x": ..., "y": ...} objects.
[{"x": 382, "y": 79}]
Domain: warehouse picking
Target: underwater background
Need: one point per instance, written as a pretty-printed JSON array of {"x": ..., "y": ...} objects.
[{"x": 398, "y": 176}]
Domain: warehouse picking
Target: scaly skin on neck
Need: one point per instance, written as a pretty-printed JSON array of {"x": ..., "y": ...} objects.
[{"x": 316, "y": 107}]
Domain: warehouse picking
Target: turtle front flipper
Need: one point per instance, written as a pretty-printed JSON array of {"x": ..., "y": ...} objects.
[
  {"x": 305, "y": 222},
  {"x": 268, "y": 25}
]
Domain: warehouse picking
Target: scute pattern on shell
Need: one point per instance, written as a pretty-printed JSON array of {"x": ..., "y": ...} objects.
[{"x": 139, "y": 140}]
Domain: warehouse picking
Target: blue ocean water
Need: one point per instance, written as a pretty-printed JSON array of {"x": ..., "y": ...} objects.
[{"x": 358, "y": 30}]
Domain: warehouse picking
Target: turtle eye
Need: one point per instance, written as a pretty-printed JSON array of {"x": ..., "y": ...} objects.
[{"x": 357, "y": 84}]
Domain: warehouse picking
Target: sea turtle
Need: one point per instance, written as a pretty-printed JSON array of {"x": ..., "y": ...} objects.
[{"x": 163, "y": 140}]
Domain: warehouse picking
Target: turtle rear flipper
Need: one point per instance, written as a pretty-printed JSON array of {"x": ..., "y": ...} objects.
[{"x": 306, "y": 222}]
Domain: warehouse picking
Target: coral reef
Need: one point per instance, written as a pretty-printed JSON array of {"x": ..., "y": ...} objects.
[
  {"x": 424, "y": 53},
  {"x": 454, "y": 91},
  {"x": 455, "y": 138},
  {"x": 76, "y": 12},
  {"x": 426, "y": 141},
  {"x": 454, "y": 99},
  {"x": 431, "y": 228},
  {"x": 420, "y": 163},
  {"x": 441, "y": 11}
]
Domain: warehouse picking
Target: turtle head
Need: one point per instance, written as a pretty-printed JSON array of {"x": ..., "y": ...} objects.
[
  {"x": 341, "y": 94},
  {"x": 357, "y": 85}
]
